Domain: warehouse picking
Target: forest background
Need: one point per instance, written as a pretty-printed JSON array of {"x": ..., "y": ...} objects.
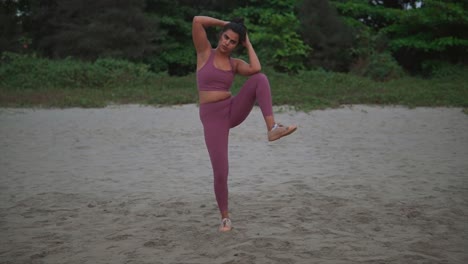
[{"x": 317, "y": 53}]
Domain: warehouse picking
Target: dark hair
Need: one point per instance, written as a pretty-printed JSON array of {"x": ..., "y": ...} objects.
[{"x": 237, "y": 25}]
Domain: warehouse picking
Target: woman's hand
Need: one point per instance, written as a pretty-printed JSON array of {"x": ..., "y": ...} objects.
[{"x": 246, "y": 42}]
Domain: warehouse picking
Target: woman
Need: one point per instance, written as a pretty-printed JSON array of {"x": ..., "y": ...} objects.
[{"x": 219, "y": 110}]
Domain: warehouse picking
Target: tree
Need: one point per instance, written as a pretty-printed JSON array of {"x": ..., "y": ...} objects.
[
  {"x": 327, "y": 34},
  {"x": 369, "y": 52},
  {"x": 274, "y": 30},
  {"x": 398, "y": 4},
  {"x": 433, "y": 34},
  {"x": 430, "y": 32},
  {"x": 10, "y": 27},
  {"x": 176, "y": 54},
  {"x": 91, "y": 29}
]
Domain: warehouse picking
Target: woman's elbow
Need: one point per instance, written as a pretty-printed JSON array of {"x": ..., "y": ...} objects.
[
  {"x": 196, "y": 19},
  {"x": 257, "y": 69}
]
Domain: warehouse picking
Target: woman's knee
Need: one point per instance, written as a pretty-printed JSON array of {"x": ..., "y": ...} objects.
[
  {"x": 260, "y": 77},
  {"x": 259, "y": 80}
]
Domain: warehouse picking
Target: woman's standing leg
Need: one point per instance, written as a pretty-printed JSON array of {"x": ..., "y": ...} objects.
[
  {"x": 216, "y": 140},
  {"x": 216, "y": 131}
]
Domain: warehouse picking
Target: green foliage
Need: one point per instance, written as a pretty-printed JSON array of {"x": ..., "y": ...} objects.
[
  {"x": 430, "y": 28},
  {"x": 437, "y": 31},
  {"x": 180, "y": 60},
  {"x": 275, "y": 34},
  {"x": 422, "y": 41},
  {"x": 434, "y": 32},
  {"x": 28, "y": 80},
  {"x": 364, "y": 12},
  {"x": 379, "y": 67},
  {"x": 176, "y": 54},
  {"x": 444, "y": 69},
  {"x": 370, "y": 44},
  {"x": 28, "y": 72},
  {"x": 274, "y": 31},
  {"x": 289, "y": 51},
  {"x": 288, "y": 35}
]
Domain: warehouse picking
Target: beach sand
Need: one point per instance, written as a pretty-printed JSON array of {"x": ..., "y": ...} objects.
[{"x": 133, "y": 184}]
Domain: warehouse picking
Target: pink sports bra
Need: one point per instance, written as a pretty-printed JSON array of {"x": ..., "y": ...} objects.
[{"x": 210, "y": 78}]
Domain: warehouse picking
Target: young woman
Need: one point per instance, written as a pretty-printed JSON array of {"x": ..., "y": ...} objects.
[{"x": 219, "y": 110}]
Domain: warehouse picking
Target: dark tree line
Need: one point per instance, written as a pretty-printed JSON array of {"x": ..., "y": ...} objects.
[{"x": 290, "y": 35}]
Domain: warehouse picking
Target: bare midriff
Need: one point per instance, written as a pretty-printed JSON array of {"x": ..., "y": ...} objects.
[{"x": 206, "y": 97}]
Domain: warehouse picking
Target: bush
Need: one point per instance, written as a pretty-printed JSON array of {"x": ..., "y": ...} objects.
[
  {"x": 379, "y": 67},
  {"x": 443, "y": 69},
  {"x": 32, "y": 72}
]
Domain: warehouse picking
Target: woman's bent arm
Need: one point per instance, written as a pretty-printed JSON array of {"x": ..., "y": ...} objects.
[
  {"x": 254, "y": 66},
  {"x": 200, "y": 40}
]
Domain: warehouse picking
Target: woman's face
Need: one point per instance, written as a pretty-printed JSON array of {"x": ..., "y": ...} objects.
[{"x": 228, "y": 41}]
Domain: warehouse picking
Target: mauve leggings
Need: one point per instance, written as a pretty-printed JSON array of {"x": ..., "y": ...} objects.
[{"x": 217, "y": 118}]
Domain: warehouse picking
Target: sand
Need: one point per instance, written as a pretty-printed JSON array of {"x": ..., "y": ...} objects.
[{"x": 133, "y": 184}]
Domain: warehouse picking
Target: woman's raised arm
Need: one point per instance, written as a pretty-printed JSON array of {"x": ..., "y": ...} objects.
[{"x": 200, "y": 39}]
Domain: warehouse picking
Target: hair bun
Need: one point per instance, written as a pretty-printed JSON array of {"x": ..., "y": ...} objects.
[{"x": 238, "y": 20}]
